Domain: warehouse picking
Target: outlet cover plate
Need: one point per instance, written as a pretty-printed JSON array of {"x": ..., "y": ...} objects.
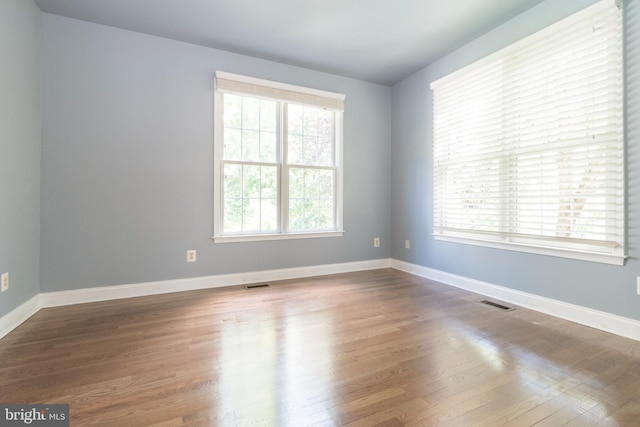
[{"x": 4, "y": 281}]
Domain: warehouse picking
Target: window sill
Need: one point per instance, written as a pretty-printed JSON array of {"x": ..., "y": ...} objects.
[
  {"x": 279, "y": 236},
  {"x": 603, "y": 258}
]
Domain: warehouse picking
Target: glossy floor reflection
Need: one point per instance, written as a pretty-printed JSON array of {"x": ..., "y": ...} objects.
[{"x": 362, "y": 349}]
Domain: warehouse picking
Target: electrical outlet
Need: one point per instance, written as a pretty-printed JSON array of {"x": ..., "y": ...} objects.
[
  {"x": 191, "y": 255},
  {"x": 376, "y": 242},
  {"x": 407, "y": 244},
  {"x": 5, "y": 281}
]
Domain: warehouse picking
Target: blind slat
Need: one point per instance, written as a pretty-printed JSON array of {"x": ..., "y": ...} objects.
[{"x": 528, "y": 142}]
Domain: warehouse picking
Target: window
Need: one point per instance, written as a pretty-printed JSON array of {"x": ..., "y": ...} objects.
[
  {"x": 528, "y": 143},
  {"x": 278, "y": 160}
]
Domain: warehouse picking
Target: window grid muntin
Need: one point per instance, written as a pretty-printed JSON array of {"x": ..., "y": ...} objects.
[{"x": 283, "y": 178}]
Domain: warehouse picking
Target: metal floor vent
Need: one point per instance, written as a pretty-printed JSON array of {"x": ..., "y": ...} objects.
[
  {"x": 496, "y": 305},
  {"x": 257, "y": 285}
]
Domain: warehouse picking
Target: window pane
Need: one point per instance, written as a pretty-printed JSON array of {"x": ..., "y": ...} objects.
[
  {"x": 250, "y": 215},
  {"x": 311, "y": 184},
  {"x": 250, "y": 113},
  {"x": 232, "y": 214},
  {"x": 310, "y": 120},
  {"x": 296, "y": 183},
  {"x": 251, "y": 198},
  {"x": 296, "y": 214},
  {"x": 268, "y": 117},
  {"x": 251, "y": 184},
  {"x": 232, "y": 197},
  {"x": 251, "y": 145},
  {"x": 250, "y": 129},
  {"x": 294, "y": 115},
  {"x": 269, "y": 215},
  {"x": 325, "y": 185},
  {"x": 232, "y": 111},
  {"x": 310, "y": 136},
  {"x": 325, "y": 151},
  {"x": 232, "y": 143},
  {"x": 325, "y": 214},
  {"x": 233, "y": 181},
  {"x": 294, "y": 152},
  {"x": 268, "y": 182},
  {"x": 325, "y": 124},
  {"x": 268, "y": 147},
  {"x": 268, "y": 131},
  {"x": 311, "y": 201},
  {"x": 310, "y": 150}
]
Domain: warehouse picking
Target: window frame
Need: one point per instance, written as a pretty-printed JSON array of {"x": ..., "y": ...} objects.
[
  {"x": 506, "y": 238},
  {"x": 291, "y": 94}
]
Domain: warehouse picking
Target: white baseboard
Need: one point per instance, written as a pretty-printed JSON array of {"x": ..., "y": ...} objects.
[
  {"x": 596, "y": 319},
  {"x": 55, "y": 299},
  {"x": 14, "y": 318},
  {"x": 618, "y": 325}
]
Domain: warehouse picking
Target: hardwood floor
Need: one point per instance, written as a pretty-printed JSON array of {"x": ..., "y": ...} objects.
[{"x": 375, "y": 348}]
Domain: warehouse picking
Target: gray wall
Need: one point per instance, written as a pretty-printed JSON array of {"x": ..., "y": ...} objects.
[
  {"x": 599, "y": 286},
  {"x": 126, "y": 165},
  {"x": 20, "y": 127},
  {"x": 127, "y": 161}
]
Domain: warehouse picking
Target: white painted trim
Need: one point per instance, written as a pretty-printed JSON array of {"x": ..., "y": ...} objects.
[
  {"x": 237, "y": 238},
  {"x": 532, "y": 248},
  {"x": 17, "y": 316},
  {"x": 56, "y": 299},
  {"x": 278, "y": 85},
  {"x": 618, "y": 325}
]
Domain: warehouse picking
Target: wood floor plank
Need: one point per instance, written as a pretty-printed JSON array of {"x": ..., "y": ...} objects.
[{"x": 372, "y": 348}]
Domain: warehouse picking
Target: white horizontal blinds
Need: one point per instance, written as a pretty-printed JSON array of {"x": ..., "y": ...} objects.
[
  {"x": 232, "y": 83},
  {"x": 528, "y": 143}
]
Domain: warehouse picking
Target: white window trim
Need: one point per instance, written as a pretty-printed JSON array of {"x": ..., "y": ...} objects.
[
  {"x": 237, "y": 238},
  {"x": 535, "y": 249},
  {"x": 324, "y": 96}
]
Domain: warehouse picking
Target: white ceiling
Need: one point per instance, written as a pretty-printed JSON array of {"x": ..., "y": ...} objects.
[{"x": 380, "y": 41}]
